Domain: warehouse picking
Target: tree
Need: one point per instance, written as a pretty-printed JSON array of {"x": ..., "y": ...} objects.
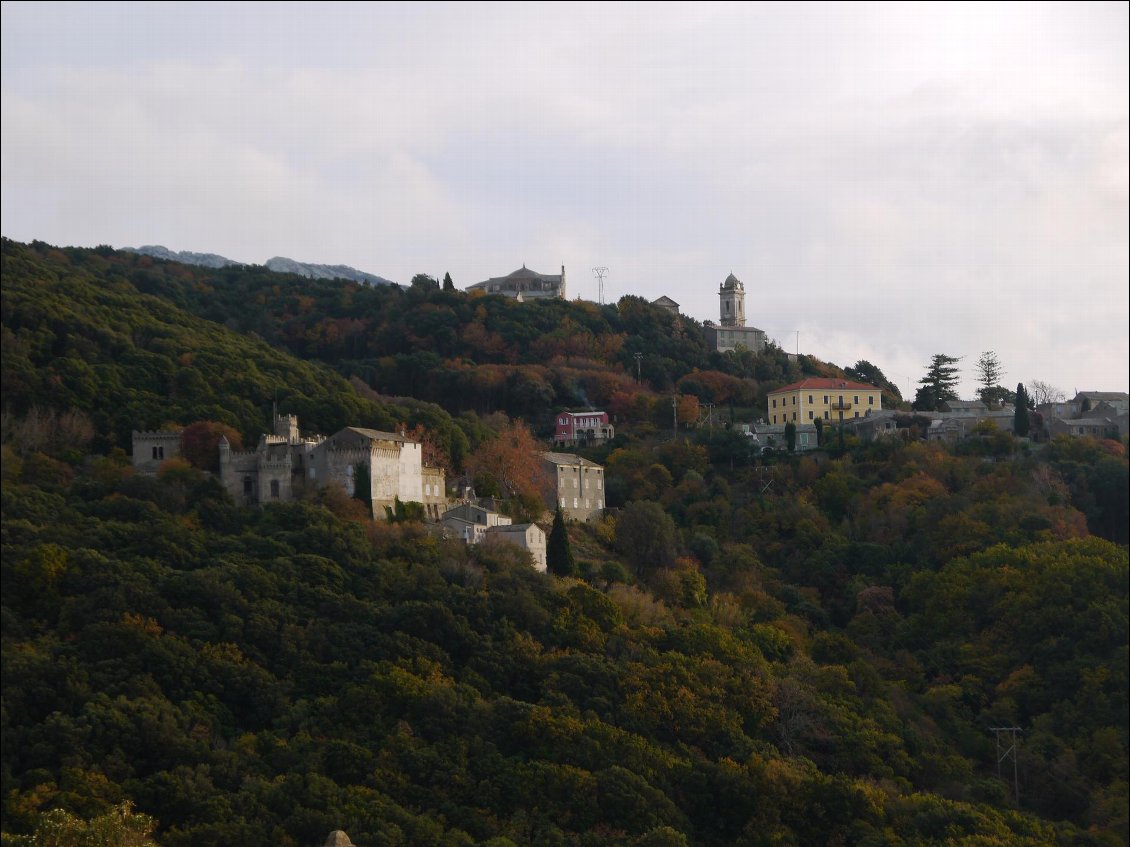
[
  {"x": 558, "y": 553},
  {"x": 119, "y": 827},
  {"x": 200, "y": 441},
  {"x": 510, "y": 465},
  {"x": 864, "y": 371},
  {"x": 939, "y": 384},
  {"x": 645, "y": 535},
  {"x": 1042, "y": 392},
  {"x": 448, "y": 285},
  {"x": 989, "y": 372},
  {"x": 1020, "y": 420},
  {"x": 424, "y": 282},
  {"x": 790, "y": 436}
]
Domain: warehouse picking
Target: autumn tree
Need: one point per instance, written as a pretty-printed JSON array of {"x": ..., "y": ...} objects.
[
  {"x": 510, "y": 465},
  {"x": 200, "y": 442},
  {"x": 939, "y": 384}
]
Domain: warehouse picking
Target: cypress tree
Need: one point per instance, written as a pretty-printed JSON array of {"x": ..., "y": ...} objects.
[
  {"x": 1021, "y": 423},
  {"x": 558, "y": 553}
]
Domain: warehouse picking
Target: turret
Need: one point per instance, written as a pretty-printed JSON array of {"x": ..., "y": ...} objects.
[{"x": 731, "y": 306}]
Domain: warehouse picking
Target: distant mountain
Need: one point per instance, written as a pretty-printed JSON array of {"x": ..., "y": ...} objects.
[
  {"x": 279, "y": 264},
  {"x": 185, "y": 257}
]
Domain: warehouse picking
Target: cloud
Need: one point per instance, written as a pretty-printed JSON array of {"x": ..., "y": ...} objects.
[{"x": 892, "y": 181}]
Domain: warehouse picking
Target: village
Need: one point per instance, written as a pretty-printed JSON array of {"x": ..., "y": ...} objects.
[{"x": 387, "y": 468}]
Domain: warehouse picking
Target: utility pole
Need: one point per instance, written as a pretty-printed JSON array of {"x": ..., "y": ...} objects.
[
  {"x": 639, "y": 356},
  {"x": 599, "y": 274},
  {"x": 1006, "y": 749},
  {"x": 675, "y": 414}
]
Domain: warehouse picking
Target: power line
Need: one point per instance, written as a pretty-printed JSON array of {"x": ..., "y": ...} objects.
[{"x": 599, "y": 274}]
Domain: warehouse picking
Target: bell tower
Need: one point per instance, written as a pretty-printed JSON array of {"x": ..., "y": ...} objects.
[{"x": 731, "y": 306}]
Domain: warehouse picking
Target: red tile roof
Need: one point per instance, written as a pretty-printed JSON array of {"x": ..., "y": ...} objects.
[{"x": 824, "y": 383}]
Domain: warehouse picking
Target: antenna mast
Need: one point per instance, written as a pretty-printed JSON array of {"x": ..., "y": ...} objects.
[{"x": 599, "y": 274}]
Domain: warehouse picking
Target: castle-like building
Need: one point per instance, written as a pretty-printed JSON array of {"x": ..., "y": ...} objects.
[
  {"x": 731, "y": 332},
  {"x": 285, "y": 463}
]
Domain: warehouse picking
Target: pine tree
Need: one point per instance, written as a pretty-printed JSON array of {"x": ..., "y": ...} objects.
[
  {"x": 939, "y": 384},
  {"x": 448, "y": 285},
  {"x": 558, "y": 553}
]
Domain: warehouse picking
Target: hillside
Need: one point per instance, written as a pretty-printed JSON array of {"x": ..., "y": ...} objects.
[{"x": 811, "y": 651}]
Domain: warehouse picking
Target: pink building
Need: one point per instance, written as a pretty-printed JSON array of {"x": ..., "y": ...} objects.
[{"x": 576, "y": 428}]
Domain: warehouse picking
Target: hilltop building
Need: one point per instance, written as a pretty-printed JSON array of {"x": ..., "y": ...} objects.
[
  {"x": 524, "y": 284},
  {"x": 731, "y": 332},
  {"x": 827, "y": 399},
  {"x": 578, "y": 485},
  {"x": 667, "y": 304},
  {"x": 577, "y": 429}
]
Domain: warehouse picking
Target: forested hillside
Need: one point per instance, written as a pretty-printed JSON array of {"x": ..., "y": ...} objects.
[{"x": 811, "y": 651}]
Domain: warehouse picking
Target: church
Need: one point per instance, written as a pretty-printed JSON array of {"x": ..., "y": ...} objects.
[{"x": 730, "y": 332}]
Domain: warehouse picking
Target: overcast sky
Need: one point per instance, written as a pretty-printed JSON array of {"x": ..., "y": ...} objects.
[{"x": 889, "y": 180}]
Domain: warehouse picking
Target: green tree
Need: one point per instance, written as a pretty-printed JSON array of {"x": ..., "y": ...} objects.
[
  {"x": 448, "y": 285},
  {"x": 989, "y": 373},
  {"x": 119, "y": 827},
  {"x": 790, "y": 436},
  {"x": 939, "y": 384},
  {"x": 645, "y": 535},
  {"x": 558, "y": 553},
  {"x": 1021, "y": 423}
]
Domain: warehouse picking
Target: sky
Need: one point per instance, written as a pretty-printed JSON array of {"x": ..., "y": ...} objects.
[{"x": 889, "y": 181}]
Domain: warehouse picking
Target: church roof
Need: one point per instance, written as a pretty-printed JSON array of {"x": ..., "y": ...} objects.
[{"x": 732, "y": 282}]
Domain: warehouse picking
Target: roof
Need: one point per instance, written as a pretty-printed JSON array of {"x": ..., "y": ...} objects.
[
  {"x": 1103, "y": 395},
  {"x": 732, "y": 282},
  {"x": 823, "y": 382},
  {"x": 568, "y": 459},
  {"x": 664, "y": 301},
  {"x": 377, "y": 435},
  {"x": 515, "y": 527}
]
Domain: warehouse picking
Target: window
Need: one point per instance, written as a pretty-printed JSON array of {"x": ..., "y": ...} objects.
[
  {"x": 794, "y": 416},
  {"x": 274, "y": 489},
  {"x": 870, "y": 399},
  {"x": 574, "y": 502},
  {"x": 774, "y": 402},
  {"x": 810, "y": 414},
  {"x": 562, "y": 502},
  {"x": 825, "y": 399},
  {"x": 154, "y": 452},
  {"x": 599, "y": 484},
  {"x": 809, "y": 398},
  {"x": 825, "y": 416},
  {"x": 247, "y": 488},
  {"x": 857, "y": 414},
  {"x": 794, "y": 399},
  {"x": 856, "y": 399}
]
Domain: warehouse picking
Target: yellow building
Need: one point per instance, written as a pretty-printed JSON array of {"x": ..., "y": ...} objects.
[{"x": 824, "y": 399}]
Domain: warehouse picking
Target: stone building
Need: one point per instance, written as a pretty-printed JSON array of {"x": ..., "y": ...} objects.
[
  {"x": 578, "y": 486},
  {"x": 285, "y": 463},
  {"x": 731, "y": 332},
  {"x": 151, "y": 449},
  {"x": 529, "y": 536}
]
